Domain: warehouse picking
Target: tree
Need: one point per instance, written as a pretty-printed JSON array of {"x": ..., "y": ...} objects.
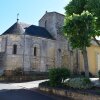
[
  {"x": 75, "y": 6},
  {"x": 79, "y": 30},
  {"x": 78, "y": 6},
  {"x": 93, "y": 6}
]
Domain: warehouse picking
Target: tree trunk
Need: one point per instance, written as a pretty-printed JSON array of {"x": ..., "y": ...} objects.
[{"x": 85, "y": 57}]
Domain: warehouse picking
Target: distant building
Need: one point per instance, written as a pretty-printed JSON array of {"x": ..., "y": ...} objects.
[{"x": 39, "y": 48}]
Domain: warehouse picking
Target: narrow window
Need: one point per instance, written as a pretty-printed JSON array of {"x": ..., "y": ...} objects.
[
  {"x": 46, "y": 24},
  {"x": 14, "y": 49},
  {"x": 35, "y": 51},
  {"x": 59, "y": 50}
]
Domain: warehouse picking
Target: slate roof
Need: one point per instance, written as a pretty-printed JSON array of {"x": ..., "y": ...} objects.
[
  {"x": 22, "y": 28},
  {"x": 14, "y": 29},
  {"x": 38, "y": 31}
]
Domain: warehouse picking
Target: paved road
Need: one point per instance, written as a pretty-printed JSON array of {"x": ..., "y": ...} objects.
[
  {"x": 25, "y": 85},
  {"x": 23, "y": 94},
  {"x": 32, "y": 84},
  {"x": 21, "y": 91},
  {"x": 25, "y": 91}
]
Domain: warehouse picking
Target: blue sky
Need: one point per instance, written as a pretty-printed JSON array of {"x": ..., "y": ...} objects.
[{"x": 30, "y": 11}]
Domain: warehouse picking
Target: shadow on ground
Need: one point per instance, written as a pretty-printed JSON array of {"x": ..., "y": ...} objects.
[{"x": 22, "y": 94}]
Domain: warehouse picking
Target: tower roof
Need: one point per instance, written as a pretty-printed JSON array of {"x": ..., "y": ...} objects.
[{"x": 14, "y": 29}]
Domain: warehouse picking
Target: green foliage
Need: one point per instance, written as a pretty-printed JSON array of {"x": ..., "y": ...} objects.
[
  {"x": 65, "y": 73},
  {"x": 78, "y": 6},
  {"x": 79, "y": 83},
  {"x": 79, "y": 29},
  {"x": 93, "y": 6},
  {"x": 82, "y": 24},
  {"x": 57, "y": 75},
  {"x": 75, "y": 6}
]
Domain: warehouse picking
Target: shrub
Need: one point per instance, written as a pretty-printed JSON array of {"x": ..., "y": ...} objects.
[
  {"x": 65, "y": 73},
  {"x": 56, "y": 75},
  {"x": 79, "y": 83}
]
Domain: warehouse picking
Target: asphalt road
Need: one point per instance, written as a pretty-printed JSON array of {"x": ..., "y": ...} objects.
[
  {"x": 23, "y": 91},
  {"x": 22, "y": 94}
]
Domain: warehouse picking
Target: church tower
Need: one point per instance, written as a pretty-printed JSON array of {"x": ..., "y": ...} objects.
[{"x": 53, "y": 22}]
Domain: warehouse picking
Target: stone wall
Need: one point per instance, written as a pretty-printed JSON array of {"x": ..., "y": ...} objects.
[
  {"x": 76, "y": 95},
  {"x": 24, "y": 57},
  {"x": 64, "y": 55}
]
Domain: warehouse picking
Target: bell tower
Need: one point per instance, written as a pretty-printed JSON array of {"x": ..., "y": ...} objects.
[{"x": 53, "y": 22}]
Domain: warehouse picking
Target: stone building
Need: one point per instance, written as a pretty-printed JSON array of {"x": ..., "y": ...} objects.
[{"x": 37, "y": 48}]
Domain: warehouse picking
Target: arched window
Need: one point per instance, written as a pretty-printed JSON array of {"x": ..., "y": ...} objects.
[
  {"x": 35, "y": 51},
  {"x": 14, "y": 49}
]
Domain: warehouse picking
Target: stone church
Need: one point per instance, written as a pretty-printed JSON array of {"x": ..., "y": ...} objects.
[{"x": 37, "y": 48}]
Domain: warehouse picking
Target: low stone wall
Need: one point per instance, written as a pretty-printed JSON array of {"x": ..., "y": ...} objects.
[{"x": 71, "y": 94}]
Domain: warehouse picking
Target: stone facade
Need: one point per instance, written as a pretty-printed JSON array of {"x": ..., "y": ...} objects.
[
  {"x": 38, "y": 53},
  {"x": 64, "y": 55}
]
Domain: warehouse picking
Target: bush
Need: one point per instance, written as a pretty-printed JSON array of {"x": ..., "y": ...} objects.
[
  {"x": 79, "y": 83},
  {"x": 57, "y": 75},
  {"x": 65, "y": 73}
]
